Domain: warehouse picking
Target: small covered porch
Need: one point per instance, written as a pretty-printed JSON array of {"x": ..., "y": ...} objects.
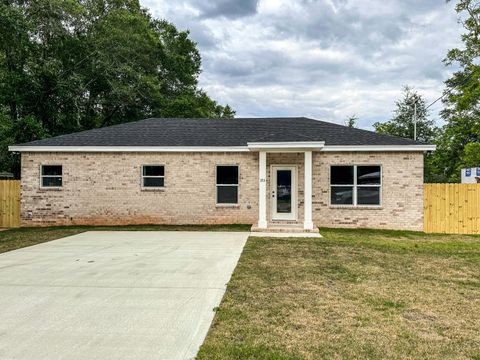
[{"x": 285, "y": 184}]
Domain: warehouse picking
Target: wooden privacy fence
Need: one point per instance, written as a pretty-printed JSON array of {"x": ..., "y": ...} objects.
[
  {"x": 452, "y": 208},
  {"x": 9, "y": 203}
]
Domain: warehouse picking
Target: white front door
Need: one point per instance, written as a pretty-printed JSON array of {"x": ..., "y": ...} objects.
[{"x": 284, "y": 192}]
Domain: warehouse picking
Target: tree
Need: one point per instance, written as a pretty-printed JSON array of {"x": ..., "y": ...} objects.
[
  {"x": 402, "y": 123},
  {"x": 351, "y": 121},
  {"x": 23, "y": 130},
  {"x": 68, "y": 66},
  {"x": 461, "y": 98},
  {"x": 470, "y": 156}
]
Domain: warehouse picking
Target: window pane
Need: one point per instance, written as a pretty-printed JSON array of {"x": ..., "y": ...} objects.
[
  {"x": 341, "y": 175},
  {"x": 153, "y": 182},
  {"x": 368, "y": 195},
  {"x": 54, "y": 181},
  {"x": 368, "y": 175},
  {"x": 51, "y": 169},
  {"x": 153, "y": 170},
  {"x": 227, "y": 174},
  {"x": 342, "y": 195},
  {"x": 227, "y": 194}
]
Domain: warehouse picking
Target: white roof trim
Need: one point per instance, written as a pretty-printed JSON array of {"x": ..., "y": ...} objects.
[
  {"x": 20, "y": 148},
  {"x": 253, "y": 146},
  {"x": 379, "y": 148},
  {"x": 287, "y": 145}
]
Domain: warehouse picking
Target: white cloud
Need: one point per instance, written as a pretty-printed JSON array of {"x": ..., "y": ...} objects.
[{"x": 325, "y": 59}]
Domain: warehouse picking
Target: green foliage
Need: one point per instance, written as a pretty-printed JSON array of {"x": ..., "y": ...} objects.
[
  {"x": 402, "y": 123},
  {"x": 457, "y": 133},
  {"x": 7, "y": 159},
  {"x": 471, "y": 156},
  {"x": 351, "y": 121},
  {"x": 22, "y": 130},
  {"x": 69, "y": 65},
  {"x": 462, "y": 99}
]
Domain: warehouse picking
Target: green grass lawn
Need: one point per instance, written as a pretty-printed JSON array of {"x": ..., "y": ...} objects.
[
  {"x": 17, "y": 238},
  {"x": 354, "y": 294}
]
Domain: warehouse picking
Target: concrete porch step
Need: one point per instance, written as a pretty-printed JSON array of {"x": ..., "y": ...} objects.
[
  {"x": 285, "y": 228},
  {"x": 285, "y": 234},
  {"x": 285, "y": 222}
]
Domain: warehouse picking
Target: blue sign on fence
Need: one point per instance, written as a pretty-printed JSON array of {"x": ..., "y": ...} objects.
[
  {"x": 478, "y": 171},
  {"x": 468, "y": 172}
]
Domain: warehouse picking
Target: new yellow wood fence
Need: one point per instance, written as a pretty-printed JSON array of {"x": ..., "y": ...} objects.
[
  {"x": 452, "y": 208},
  {"x": 9, "y": 203}
]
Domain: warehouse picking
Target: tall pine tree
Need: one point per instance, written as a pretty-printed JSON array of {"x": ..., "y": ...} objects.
[{"x": 402, "y": 123}]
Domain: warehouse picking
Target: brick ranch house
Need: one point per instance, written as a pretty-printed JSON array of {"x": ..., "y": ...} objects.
[{"x": 267, "y": 172}]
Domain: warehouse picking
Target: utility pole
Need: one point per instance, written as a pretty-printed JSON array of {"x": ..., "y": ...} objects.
[{"x": 415, "y": 121}]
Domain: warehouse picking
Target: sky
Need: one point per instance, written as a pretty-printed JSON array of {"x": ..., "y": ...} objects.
[{"x": 325, "y": 59}]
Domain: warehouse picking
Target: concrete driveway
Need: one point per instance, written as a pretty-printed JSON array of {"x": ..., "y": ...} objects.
[{"x": 114, "y": 295}]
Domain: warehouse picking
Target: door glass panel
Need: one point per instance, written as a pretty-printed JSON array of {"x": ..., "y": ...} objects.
[{"x": 284, "y": 191}]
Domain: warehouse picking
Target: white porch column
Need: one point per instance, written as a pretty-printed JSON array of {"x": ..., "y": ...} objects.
[
  {"x": 307, "y": 222},
  {"x": 262, "y": 189}
]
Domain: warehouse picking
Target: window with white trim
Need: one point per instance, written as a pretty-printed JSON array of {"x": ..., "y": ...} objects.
[
  {"x": 357, "y": 185},
  {"x": 51, "y": 176},
  {"x": 153, "y": 176},
  {"x": 227, "y": 184}
]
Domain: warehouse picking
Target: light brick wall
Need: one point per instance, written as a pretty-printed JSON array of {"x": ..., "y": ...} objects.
[
  {"x": 104, "y": 188},
  {"x": 402, "y": 191}
]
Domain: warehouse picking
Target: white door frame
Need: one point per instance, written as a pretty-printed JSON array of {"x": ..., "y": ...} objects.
[{"x": 273, "y": 192}]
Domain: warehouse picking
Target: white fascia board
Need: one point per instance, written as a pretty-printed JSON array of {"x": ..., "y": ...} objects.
[
  {"x": 128, "y": 148},
  {"x": 278, "y": 146},
  {"x": 400, "y": 148},
  {"x": 290, "y": 145}
]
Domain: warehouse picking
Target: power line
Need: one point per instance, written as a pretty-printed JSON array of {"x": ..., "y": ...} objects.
[
  {"x": 448, "y": 92},
  {"x": 441, "y": 97},
  {"x": 414, "y": 118}
]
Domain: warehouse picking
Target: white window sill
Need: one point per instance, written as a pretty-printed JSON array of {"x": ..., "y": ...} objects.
[
  {"x": 153, "y": 188},
  {"x": 227, "y": 205},
  {"x": 357, "y": 207},
  {"x": 51, "y": 188}
]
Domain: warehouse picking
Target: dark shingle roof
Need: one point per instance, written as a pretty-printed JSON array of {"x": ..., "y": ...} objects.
[{"x": 221, "y": 132}]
